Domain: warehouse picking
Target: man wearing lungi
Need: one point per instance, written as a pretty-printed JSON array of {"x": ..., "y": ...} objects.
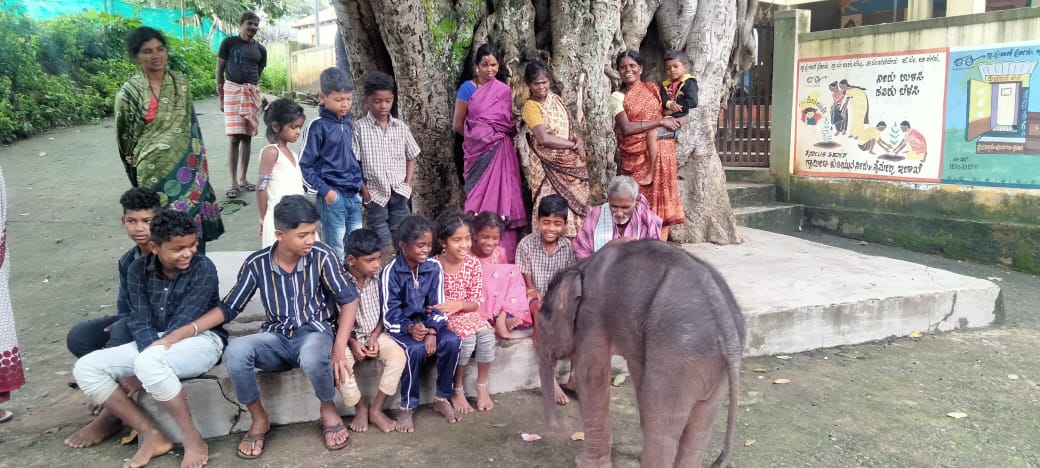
[{"x": 240, "y": 62}]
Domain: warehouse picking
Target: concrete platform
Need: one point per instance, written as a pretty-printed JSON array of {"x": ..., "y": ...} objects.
[{"x": 796, "y": 295}]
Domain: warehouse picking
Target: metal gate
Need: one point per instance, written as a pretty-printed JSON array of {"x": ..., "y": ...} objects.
[{"x": 744, "y": 123}]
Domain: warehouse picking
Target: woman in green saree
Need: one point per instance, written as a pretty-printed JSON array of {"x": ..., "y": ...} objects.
[{"x": 160, "y": 143}]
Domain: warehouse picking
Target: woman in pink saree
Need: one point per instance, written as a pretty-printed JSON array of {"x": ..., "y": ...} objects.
[{"x": 491, "y": 172}]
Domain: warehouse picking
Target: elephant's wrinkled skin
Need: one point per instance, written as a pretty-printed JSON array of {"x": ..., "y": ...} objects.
[{"x": 674, "y": 320}]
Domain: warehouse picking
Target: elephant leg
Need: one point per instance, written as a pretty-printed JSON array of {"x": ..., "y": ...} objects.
[
  {"x": 664, "y": 407},
  {"x": 591, "y": 366},
  {"x": 697, "y": 433}
]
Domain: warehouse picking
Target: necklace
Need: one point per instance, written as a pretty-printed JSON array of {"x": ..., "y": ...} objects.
[
  {"x": 415, "y": 278},
  {"x": 151, "y": 87}
]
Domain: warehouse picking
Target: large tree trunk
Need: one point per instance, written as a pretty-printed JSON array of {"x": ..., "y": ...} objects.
[{"x": 427, "y": 45}]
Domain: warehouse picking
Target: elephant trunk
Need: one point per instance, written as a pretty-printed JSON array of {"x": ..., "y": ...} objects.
[{"x": 547, "y": 371}]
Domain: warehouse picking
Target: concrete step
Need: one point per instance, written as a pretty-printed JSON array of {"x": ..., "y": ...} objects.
[
  {"x": 759, "y": 175},
  {"x": 776, "y": 217},
  {"x": 796, "y": 295},
  {"x": 750, "y": 194}
]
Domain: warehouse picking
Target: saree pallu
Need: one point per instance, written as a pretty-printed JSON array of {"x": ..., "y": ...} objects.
[
  {"x": 491, "y": 169},
  {"x": 167, "y": 155},
  {"x": 643, "y": 104},
  {"x": 12, "y": 375},
  {"x": 559, "y": 171}
]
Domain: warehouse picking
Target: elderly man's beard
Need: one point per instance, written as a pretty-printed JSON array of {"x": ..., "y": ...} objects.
[{"x": 622, "y": 220}]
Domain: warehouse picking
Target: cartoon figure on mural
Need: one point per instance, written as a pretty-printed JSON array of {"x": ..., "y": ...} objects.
[
  {"x": 856, "y": 108},
  {"x": 838, "y": 111},
  {"x": 913, "y": 143},
  {"x": 811, "y": 116}
]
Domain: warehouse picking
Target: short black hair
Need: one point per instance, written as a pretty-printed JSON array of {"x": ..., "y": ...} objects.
[
  {"x": 136, "y": 39},
  {"x": 334, "y": 80},
  {"x": 363, "y": 242},
  {"x": 292, "y": 211},
  {"x": 378, "y": 81},
  {"x": 140, "y": 198},
  {"x": 249, "y": 15},
  {"x": 676, "y": 55},
  {"x": 412, "y": 228},
  {"x": 170, "y": 223},
  {"x": 553, "y": 205}
]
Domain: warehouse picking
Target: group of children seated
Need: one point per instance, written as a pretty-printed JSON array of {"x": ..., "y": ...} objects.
[{"x": 445, "y": 295}]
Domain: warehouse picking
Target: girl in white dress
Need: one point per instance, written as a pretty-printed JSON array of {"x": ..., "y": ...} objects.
[{"x": 279, "y": 167}]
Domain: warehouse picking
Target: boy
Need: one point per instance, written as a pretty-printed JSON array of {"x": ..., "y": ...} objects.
[
  {"x": 679, "y": 91},
  {"x": 367, "y": 340},
  {"x": 139, "y": 208},
  {"x": 541, "y": 255},
  {"x": 168, "y": 291},
  {"x": 410, "y": 285},
  {"x": 328, "y": 163},
  {"x": 298, "y": 279},
  {"x": 387, "y": 152},
  {"x": 240, "y": 62}
]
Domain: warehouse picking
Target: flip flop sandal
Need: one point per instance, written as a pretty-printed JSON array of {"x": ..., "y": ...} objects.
[
  {"x": 253, "y": 439},
  {"x": 335, "y": 429},
  {"x": 231, "y": 192},
  {"x": 249, "y": 187}
]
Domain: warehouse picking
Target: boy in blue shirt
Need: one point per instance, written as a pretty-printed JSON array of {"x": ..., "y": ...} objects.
[{"x": 328, "y": 162}]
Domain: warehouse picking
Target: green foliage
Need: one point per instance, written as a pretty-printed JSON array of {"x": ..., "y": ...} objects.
[
  {"x": 275, "y": 79},
  {"x": 68, "y": 69}
]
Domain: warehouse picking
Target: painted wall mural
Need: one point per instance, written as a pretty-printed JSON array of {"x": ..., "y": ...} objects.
[
  {"x": 872, "y": 116},
  {"x": 993, "y": 118}
]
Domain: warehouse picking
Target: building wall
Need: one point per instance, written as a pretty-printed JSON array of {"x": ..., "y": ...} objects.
[{"x": 962, "y": 179}]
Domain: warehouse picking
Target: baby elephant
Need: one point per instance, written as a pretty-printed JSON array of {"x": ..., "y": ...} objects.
[{"x": 674, "y": 320}]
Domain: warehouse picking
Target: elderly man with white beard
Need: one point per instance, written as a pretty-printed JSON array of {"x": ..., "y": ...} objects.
[{"x": 629, "y": 219}]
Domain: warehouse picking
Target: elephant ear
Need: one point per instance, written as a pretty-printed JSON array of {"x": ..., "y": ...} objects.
[{"x": 566, "y": 295}]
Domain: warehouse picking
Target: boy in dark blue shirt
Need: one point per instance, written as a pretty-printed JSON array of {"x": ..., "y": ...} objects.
[{"x": 328, "y": 162}]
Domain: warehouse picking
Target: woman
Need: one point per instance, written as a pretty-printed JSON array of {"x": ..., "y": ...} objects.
[
  {"x": 12, "y": 376},
  {"x": 558, "y": 165},
  {"x": 857, "y": 108},
  {"x": 637, "y": 110},
  {"x": 160, "y": 142},
  {"x": 484, "y": 117}
]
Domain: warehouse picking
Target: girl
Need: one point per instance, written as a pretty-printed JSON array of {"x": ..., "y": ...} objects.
[
  {"x": 279, "y": 172},
  {"x": 505, "y": 294},
  {"x": 463, "y": 293},
  {"x": 411, "y": 287}
]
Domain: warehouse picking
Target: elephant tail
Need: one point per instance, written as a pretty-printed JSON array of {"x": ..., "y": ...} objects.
[{"x": 731, "y": 332}]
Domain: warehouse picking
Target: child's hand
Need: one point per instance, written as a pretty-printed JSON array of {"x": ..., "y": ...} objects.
[
  {"x": 372, "y": 350},
  {"x": 261, "y": 230},
  {"x": 418, "y": 332},
  {"x": 358, "y": 350},
  {"x": 674, "y": 106},
  {"x": 431, "y": 344},
  {"x": 331, "y": 197},
  {"x": 341, "y": 368},
  {"x": 450, "y": 307}
]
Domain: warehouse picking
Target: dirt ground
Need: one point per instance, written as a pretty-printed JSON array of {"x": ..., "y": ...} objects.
[{"x": 881, "y": 404}]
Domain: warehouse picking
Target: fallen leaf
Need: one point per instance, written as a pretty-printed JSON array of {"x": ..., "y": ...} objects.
[
  {"x": 45, "y": 280},
  {"x": 130, "y": 438},
  {"x": 761, "y": 370},
  {"x": 862, "y": 243},
  {"x": 749, "y": 442},
  {"x": 851, "y": 354},
  {"x": 1013, "y": 376},
  {"x": 783, "y": 357},
  {"x": 619, "y": 379},
  {"x": 994, "y": 278},
  {"x": 51, "y": 430},
  {"x": 782, "y": 381},
  {"x": 832, "y": 438},
  {"x": 530, "y": 437},
  {"x": 957, "y": 415},
  {"x": 915, "y": 334},
  {"x": 578, "y": 436},
  {"x": 498, "y": 424},
  {"x": 24, "y": 214},
  {"x": 43, "y": 153},
  {"x": 62, "y": 373}
]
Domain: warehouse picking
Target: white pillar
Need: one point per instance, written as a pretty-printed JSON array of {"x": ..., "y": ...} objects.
[{"x": 918, "y": 10}]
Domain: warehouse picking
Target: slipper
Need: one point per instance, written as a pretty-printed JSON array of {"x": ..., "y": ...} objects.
[
  {"x": 231, "y": 192},
  {"x": 252, "y": 439},
  {"x": 8, "y": 415},
  {"x": 248, "y": 186},
  {"x": 335, "y": 429}
]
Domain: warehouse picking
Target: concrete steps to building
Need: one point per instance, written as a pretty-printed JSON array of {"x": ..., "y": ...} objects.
[{"x": 755, "y": 206}]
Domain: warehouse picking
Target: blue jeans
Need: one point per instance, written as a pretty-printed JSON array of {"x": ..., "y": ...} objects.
[
  {"x": 309, "y": 350},
  {"x": 415, "y": 356},
  {"x": 386, "y": 219},
  {"x": 89, "y": 335},
  {"x": 339, "y": 219}
]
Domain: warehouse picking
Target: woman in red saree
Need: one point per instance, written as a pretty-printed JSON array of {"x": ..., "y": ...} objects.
[
  {"x": 637, "y": 110},
  {"x": 491, "y": 171}
]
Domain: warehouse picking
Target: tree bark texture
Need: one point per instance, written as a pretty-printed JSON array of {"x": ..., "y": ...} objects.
[{"x": 428, "y": 44}]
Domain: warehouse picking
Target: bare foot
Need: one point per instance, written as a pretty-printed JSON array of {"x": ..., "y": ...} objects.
[
  {"x": 484, "y": 402},
  {"x": 501, "y": 329},
  {"x": 360, "y": 421},
  {"x": 442, "y": 407},
  {"x": 255, "y": 448},
  {"x": 459, "y": 403},
  {"x": 102, "y": 427},
  {"x": 153, "y": 444},
  {"x": 196, "y": 453},
  {"x": 561, "y": 398},
  {"x": 512, "y": 323},
  {"x": 404, "y": 421},
  {"x": 377, "y": 417},
  {"x": 95, "y": 409}
]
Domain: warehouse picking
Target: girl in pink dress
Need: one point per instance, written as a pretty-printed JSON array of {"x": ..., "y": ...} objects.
[
  {"x": 463, "y": 294},
  {"x": 505, "y": 294}
]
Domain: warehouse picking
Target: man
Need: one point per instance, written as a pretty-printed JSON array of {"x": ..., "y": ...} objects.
[
  {"x": 240, "y": 62},
  {"x": 629, "y": 218}
]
